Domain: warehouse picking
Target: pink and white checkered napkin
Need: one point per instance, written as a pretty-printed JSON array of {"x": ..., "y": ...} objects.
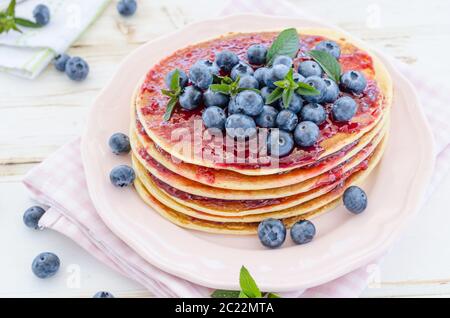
[{"x": 59, "y": 183}]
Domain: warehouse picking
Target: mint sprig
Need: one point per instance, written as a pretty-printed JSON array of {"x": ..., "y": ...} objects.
[
  {"x": 328, "y": 62},
  {"x": 249, "y": 288},
  {"x": 174, "y": 94},
  {"x": 286, "y": 43},
  {"x": 228, "y": 87},
  {"x": 8, "y": 20}
]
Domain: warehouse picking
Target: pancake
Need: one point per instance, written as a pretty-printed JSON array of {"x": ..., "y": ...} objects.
[{"x": 150, "y": 104}]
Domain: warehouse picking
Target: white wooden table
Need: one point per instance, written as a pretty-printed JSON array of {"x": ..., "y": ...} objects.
[{"x": 37, "y": 117}]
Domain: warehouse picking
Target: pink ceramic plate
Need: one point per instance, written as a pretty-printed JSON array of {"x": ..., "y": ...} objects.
[{"x": 344, "y": 241}]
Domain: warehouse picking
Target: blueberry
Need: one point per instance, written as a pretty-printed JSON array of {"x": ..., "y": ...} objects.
[
  {"x": 298, "y": 78},
  {"x": 182, "y": 76},
  {"x": 200, "y": 76},
  {"x": 250, "y": 102},
  {"x": 295, "y": 105},
  {"x": 248, "y": 81},
  {"x": 330, "y": 47},
  {"x": 303, "y": 232},
  {"x": 32, "y": 216},
  {"x": 286, "y": 120},
  {"x": 234, "y": 108},
  {"x": 45, "y": 265},
  {"x": 265, "y": 91},
  {"x": 344, "y": 109},
  {"x": 276, "y": 73},
  {"x": 190, "y": 98},
  {"x": 41, "y": 14},
  {"x": 103, "y": 294},
  {"x": 214, "y": 117},
  {"x": 353, "y": 82},
  {"x": 283, "y": 60},
  {"x": 331, "y": 92},
  {"x": 313, "y": 112},
  {"x": 355, "y": 199},
  {"x": 211, "y": 66},
  {"x": 127, "y": 7},
  {"x": 119, "y": 143},
  {"x": 211, "y": 98},
  {"x": 226, "y": 60},
  {"x": 256, "y": 54},
  {"x": 309, "y": 68},
  {"x": 280, "y": 143},
  {"x": 122, "y": 176},
  {"x": 259, "y": 75},
  {"x": 77, "y": 69},
  {"x": 240, "y": 126},
  {"x": 319, "y": 84},
  {"x": 271, "y": 233},
  {"x": 60, "y": 62},
  {"x": 267, "y": 117},
  {"x": 306, "y": 134},
  {"x": 241, "y": 69}
]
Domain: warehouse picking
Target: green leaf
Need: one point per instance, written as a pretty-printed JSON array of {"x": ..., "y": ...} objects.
[
  {"x": 275, "y": 95},
  {"x": 175, "y": 81},
  {"x": 11, "y": 10},
  {"x": 273, "y": 295},
  {"x": 282, "y": 84},
  {"x": 221, "y": 88},
  {"x": 170, "y": 107},
  {"x": 168, "y": 93},
  {"x": 248, "y": 284},
  {"x": 328, "y": 62},
  {"x": 26, "y": 23},
  {"x": 287, "y": 97},
  {"x": 243, "y": 295},
  {"x": 286, "y": 43},
  {"x": 220, "y": 293},
  {"x": 306, "y": 89}
]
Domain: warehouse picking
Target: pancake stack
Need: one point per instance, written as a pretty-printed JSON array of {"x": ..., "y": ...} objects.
[{"x": 232, "y": 199}]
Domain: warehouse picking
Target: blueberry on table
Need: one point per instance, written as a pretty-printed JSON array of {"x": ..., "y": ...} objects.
[
  {"x": 240, "y": 70},
  {"x": 45, "y": 265},
  {"x": 284, "y": 60},
  {"x": 122, "y": 176},
  {"x": 331, "y": 92},
  {"x": 267, "y": 117},
  {"x": 344, "y": 109},
  {"x": 60, "y": 62},
  {"x": 211, "y": 98},
  {"x": 306, "y": 134},
  {"x": 183, "y": 79},
  {"x": 77, "y": 69},
  {"x": 119, "y": 143},
  {"x": 250, "y": 102},
  {"x": 330, "y": 47},
  {"x": 32, "y": 216},
  {"x": 319, "y": 84},
  {"x": 127, "y": 7},
  {"x": 200, "y": 76},
  {"x": 313, "y": 112},
  {"x": 286, "y": 120},
  {"x": 103, "y": 294},
  {"x": 280, "y": 143},
  {"x": 295, "y": 105},
  {"x": 256, "y": 54},
  {"x": 303, "y": 232},
  {"x": 271, "y": 233},
  {"x": 41, "y": 14},
  {"x": 248, "y": 81},
  {"x": 310, "y": 68},
  {"x": 275, "y": 73},
  {"x": 214, "y": 117},
  {"x": 240, "y": 126},
  {"x": 259, "y": 75},
  {"x": 190, "y": 98},
  {"x": 226, "y": 60},
  {"x": 353, "y": 82},
  {"x": 355, "y": 199}
]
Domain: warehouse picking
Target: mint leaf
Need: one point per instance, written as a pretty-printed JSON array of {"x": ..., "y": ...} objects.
[
  {"x": 170, "y": 107},
  {"x": 11, "y": 10},
  {"x": 243, "y": 295},
  {"x": 287, "y": 97},
  {"x": 26, "y": 23},
  {"x": 248, "y": 284},
  {"x": 328, "y": 62},
  {"x": 306, "y": 89},
  {"x": 275, "y": 95},
  {"x": 273, "y": 295},
  {"x": 220, "y": 293},
  {"x": 220, "y": 88},
  {"x": 282, "y": 84},
  {"x": 286, "y": 43},
  {"x": 175, "y": 81}
]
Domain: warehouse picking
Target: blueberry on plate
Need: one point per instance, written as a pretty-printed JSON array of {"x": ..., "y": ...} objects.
[
  {"x": 355, "y": 199},
  {"x": 256, "y": 54},
  {"x": 330, "y": 47},
  {"x": 32, "y": 216},
  {"x": 211, "y": 98},
  {"x": 119, "y": 143},
  {"x": 182, "y": 76},
  {"x": 284, "y": 60},
  {"x": 331, "y": 92},
  {"x": 271, "y": 233},
  {"x": 103, "y": 294},
  {"x": 250, "y": 102},
  {"x": 286, "y": 120},
  {"x": 303, "y": 232},
  {"x": 240, "y": 126},
  {"x": 200, "y": 76},
  {"x": 319, "y": 84},
  {"x": 295, "y": 105},
  {"x": 45, "y": 265},
  {"x": 275, "y": 73},
  {"x": 267, "y": 117},
  {"x": 122, "y": 176},
  {"x": 344, "y": 109},
  {"x": 190, "y": 98},
  {"x": 310, "y": 68},
  {"x": 126, "y": 7},
  {"x": 248, "y": 81},
  {"x": 353, "y": 82},
  {"x": 60, "y": 62},
  {"x": 226, "y": 60},
  {"x": 41, "y": 14},
  {"x": 214, "y": 117},
  {"x": 241, "y": 69},
  {"x": 77, "y": 69},
  {"x": 211, "y": 66},
  {"x": 313, "y": 112},
  {"x": 279, "y": 143},
  {"x": 259, "y": 75},
  {"x": 306, "y": 134}
]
